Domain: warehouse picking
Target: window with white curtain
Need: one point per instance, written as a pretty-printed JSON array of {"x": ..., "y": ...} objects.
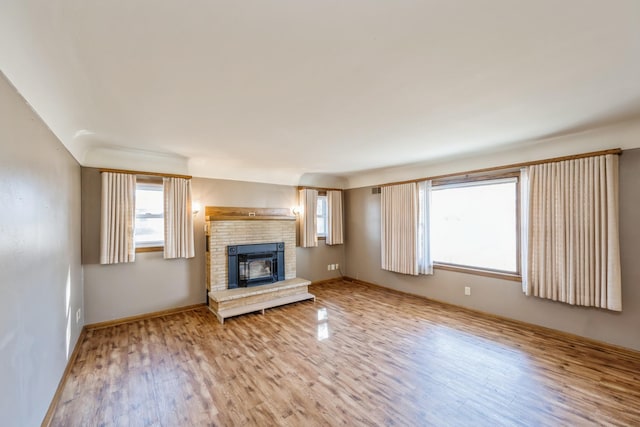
[
  {"x": 475, "y": 224},
  {"x": 552, "y": 225},
  {"x": 149, "y": 224}
]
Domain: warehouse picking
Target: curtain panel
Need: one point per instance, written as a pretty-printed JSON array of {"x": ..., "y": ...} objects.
[
  {"x": 335, "y": 234},
  {"x": 573, "y": 250},
  {"x": 425, "y": 260},
  {"x": 178, "y": 219},
  {"x": 399, "y": 233},
  {"x": 308, "y": 199},
  {"x": 524, "y": 228},
  {"x": 117, "y": 218}
]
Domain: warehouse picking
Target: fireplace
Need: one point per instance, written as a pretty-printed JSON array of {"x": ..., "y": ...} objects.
[{"x": 256, "y": 264}]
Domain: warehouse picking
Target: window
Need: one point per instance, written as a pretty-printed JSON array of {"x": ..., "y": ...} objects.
[
  {"x": 475, "y": 224},
  {"x": 149, "y": 226},
  {"x": 321, "y": 216}
]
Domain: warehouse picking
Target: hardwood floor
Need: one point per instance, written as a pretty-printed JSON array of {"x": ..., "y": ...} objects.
[{"x": 360, "y": 355}]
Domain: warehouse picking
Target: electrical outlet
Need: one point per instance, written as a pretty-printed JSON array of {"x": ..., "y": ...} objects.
[
  {"x": 78, "y": 312},
  {"x": 467, "y": 290}
]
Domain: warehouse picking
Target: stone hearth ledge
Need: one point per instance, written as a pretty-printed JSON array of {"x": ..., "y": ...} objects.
[
  {"x": 236, "y": 293},
  {"x": 233, "y": 302}
]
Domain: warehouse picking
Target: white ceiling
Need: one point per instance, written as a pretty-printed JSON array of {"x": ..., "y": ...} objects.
[{"x": 272, "y": 90}]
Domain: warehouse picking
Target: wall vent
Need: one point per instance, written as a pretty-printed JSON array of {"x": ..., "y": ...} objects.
[{"x": 376, "y": 190}]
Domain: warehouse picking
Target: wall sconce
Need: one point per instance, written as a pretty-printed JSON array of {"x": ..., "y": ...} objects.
[
  {"x": 195, "y": 208},
  {"x": 297, "y": 210}
]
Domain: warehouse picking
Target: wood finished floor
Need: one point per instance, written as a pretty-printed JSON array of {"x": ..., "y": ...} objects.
[{"x": 360, "y": 355}]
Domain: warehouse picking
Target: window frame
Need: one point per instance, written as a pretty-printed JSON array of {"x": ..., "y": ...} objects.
[
  {"x": 480, "y": 271},
  {"x": 154, "y": 182},
  {"x": 322, "y": 195}
]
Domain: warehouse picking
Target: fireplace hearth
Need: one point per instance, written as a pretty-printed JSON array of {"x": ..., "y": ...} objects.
[{"x": 255, "y": 264}]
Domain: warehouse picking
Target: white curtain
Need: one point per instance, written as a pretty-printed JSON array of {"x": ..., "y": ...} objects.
[
  {"x": 335, "y": 235},
  {"x": 425, "y": 261},
  {"x": 308, "y": 223},
  {"x": 117, "y": 218},
  {"x": 524, "y": 227},
  {"x": 573, "y": 232},
  {"x": 178, "y": 219},
  {"x": 399, "y": 234}
]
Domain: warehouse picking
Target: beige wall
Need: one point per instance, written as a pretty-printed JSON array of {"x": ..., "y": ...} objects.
[
  {"x": 625, "y": 135},
  {"x": 502, "y": 297},
  {"x": 312, "y": 262},
  {"x": 152, "y": 283},
  {"x": 40, "y": 271}
]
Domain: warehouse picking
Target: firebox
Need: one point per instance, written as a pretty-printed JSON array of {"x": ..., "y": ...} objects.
[{"x": 255, "y": 264}]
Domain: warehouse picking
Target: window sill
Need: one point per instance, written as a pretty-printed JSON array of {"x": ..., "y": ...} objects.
[
  {"x": 479, "y": 272},
  {"x": 150, "y": 249}
]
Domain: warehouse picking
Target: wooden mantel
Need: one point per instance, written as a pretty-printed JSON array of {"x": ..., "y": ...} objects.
[{"x": 224, "y": 213}]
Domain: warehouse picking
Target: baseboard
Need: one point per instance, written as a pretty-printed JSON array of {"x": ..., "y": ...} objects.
[
  {"x": 542, "y": 329},
  {"x": 48, "y": 417},
  {"x": 325, "y": 281},
  {"x": 151, "y": 315}
]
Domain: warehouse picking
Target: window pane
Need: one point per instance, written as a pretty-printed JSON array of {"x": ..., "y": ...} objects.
[
  {"x": 149, "y": 200},
  {"x": 149, "y": 226},
  {"x": 149, "y": 231},
  {"x": 321, "y": 216},
  {"x": 475, "y": 226}
]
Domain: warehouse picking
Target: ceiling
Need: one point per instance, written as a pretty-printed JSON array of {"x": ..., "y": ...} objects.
[{"x": 271, "y": 91}]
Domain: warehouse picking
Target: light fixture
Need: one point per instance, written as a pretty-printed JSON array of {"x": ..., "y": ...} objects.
[{"x": 195, "y": 208}]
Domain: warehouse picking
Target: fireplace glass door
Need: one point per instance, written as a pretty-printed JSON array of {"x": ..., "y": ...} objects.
[{"x": 255, "y": 269}]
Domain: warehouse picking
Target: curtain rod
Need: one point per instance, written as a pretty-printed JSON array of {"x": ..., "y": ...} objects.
[
  {"x": 511, "y": 166},
  {"x": 305, "y": 187},
  {"x": 164, "y": 175}
]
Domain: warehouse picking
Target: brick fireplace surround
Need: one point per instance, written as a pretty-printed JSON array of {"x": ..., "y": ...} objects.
[{"x": 241, "y": 232}]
